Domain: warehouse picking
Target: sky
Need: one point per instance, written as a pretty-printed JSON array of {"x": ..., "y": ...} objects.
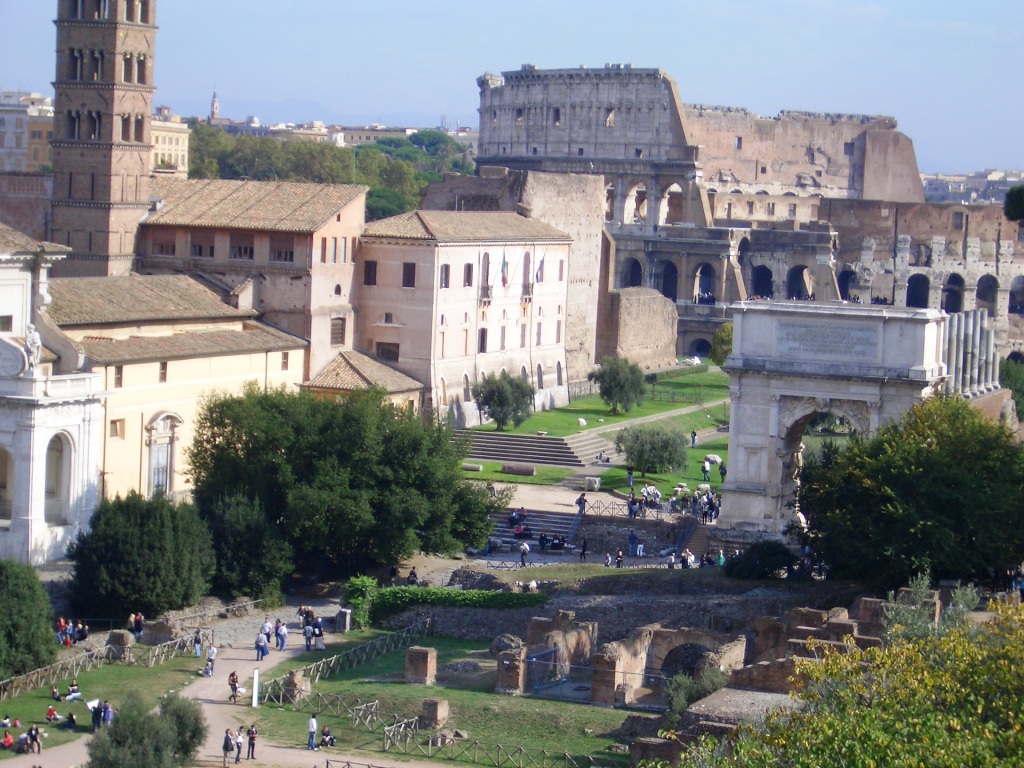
[{"x": 943, "y": 68}]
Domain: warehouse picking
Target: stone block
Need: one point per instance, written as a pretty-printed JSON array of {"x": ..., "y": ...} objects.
[
  {"x": 435, "y": 713},
  {"x": 510, "y": 676},
  {"x": 421, "y": 665},
  {"x": 473, "y": 467},
  {"x": 523, "y": 470},
  {"x": 648, "y": 749},
  {"x": 868, "y": 609},
  {"x": 592, "y": 483}
]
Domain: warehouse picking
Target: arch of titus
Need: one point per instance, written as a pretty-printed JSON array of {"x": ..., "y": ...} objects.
[{"x": 793, "y": 360}]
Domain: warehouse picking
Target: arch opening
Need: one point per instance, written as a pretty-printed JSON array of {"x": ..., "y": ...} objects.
[
  {"x": 953, "y": 294},
  {"x": 700, "y": 348},
  {"x": 987, "y": 294},
  {"x": 800, "y": 284},
  {"x": 57, "y": 481},
  {"x": 632, "y": 273},
  {"x": 918, "y": 288},
  {"x": 762, "y": 283},
  {"x": 847, "y": 279},
  {"x": 704, "y": 280},
  {"x": 667, "y": 281}
]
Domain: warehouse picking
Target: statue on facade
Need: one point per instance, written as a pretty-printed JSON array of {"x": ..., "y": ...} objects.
[{"x": 33, "y": 348}]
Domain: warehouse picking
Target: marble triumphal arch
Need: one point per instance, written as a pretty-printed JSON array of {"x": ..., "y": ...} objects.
[{"x": 793, "y": 360}]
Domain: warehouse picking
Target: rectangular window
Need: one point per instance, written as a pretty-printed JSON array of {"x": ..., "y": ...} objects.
[
  {"x": 539, "y": 327},
  {"x": 465, "y": 341},
  {"x": 848, "y": 149},
  {"x": 467, "y": 276},
  {"x": 6, "y": 323},
  {"x": 522, "y": 336},
  {"x": 343, "y": 253},
  {"x": 117, "y": 428},
  {"x": 792, "y": 210},
  {"x": 519, "y": 116},
  {"x": 334, "y": 250},
  {"x": 750, "y": 208},
  {"x": 282, "y": 252},
  {"x": 609, "y": 118},
  {"x": 501, "y": 342},
  {"x": 387, "y": 351},
  {"x": 958, "y": 220},
  {"x": 241, "y": 246},
  {"x": 739, "y": 142},
  {"x": 445, "y": 277},
  {"x": 284, "y": 361},
  {"x": 481, "y": 346},
  {"x": 770, "y": 209},
  {"x": 118, "y": 376},
  {"x": 369, "y": 273},
  {"x": 409, "y": 274},
  {"x": 163, "y": 372},
  {"x": 337, "y": 331},
  {"x": 323, "y": 250},
  {"x": 556, "y": 116},
  {"x": 558, "y": 331}
]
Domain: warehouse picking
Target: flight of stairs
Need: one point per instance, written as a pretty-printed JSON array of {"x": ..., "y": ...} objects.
[
  {"x": 519, "y": 449},
  {"x": 551, "y": 523}
]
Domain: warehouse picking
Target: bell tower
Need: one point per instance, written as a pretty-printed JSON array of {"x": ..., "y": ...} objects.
[{"x": 103, "y": 107}]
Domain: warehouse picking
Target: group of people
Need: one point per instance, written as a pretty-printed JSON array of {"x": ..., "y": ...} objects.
[
  {"x": 30, "y": 740},
  {"x": 70, "y": 632},
  {"x": 650, "y": 498},
  {"x": 555, "y": 543},
  {"x": 687, "y": 559},
  {"x": 233, "y": 741},
  {"x": 135, "y": 624}
]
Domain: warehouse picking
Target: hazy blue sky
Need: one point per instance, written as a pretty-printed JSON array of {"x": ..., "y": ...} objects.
[{"x": 943, "y": 68}]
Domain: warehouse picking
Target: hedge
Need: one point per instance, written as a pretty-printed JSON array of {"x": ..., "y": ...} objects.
[
  {"x": 392, "y": 600},
  {"x": 679, "y": 372}
]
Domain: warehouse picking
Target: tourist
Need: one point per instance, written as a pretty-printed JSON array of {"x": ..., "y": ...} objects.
[
  {"x": 581, "y": 504},
  {"x": 618, "y": 559},
  {"x": 670, "y": 561},
  {"x": 307, "y": 634},
  {"x": 238, "y": 745},
  {"x": 693, "y": 438},
  {"x": 252, "y": 733},
  {"x": 639, "y": 549},
  {"x": 318, "y": 635},
  {"x": 197, "y": 642},
  {"x": 629, "y": 475},
  {"x": 282, "y": 636},
  {"x": 54, "y": 694},
  {"x": 8, "y": 742},
  {"x": 138, "y": 626},
  {"x": 326, "y": 739},
  {"x": 228, "y": 746},
  {"x": 70, "y": 722},
  {"x": 583, "y": 551},
  {"x": 312, "y": 732},
  {"x": 35, "y": 739},
  {"x": 233, "y": 685},
  {"x": 524, "y": 550},
  {"x": 722, "y": 471},
  {"x": 97, "y": 717},
  {"x": 608, "y": 560},
  {"x": 632, "y": 539},
  {"x": 706, "y": 470},
  {"x": 51, "y": 715},
  {"x": 542, "y": 542},
  {"x": 211, "y": 655},
  {"x": 266, "y": 628},
  {"x": 73, "y": 693}
]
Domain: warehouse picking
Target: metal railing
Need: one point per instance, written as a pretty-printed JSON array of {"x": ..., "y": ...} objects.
[
  {"x": 277, "y": 691},
  {"x": 602, "y": 508}
]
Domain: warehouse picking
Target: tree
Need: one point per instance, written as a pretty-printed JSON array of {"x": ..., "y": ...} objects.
[
  {"x": 944, "y": 700},
  {"x": 652, "y": 448},
  {"x": 26, "y": 634},
  {"x": 136, "y": 737},
  {"x": 1013, "y": 205},
  {"x": 504, "y": 399},
  {"x": 252, "y": 556},
  {"x": 721, "y": 344},
  {"x": 350, "y": 484},
  {"x": 942, "y": 486},
  {"x": 141, "y": 554},
  {"x": 621, "y": 383},
  {"x": 1011, "y": 376},
  {"x": 382, "y": 203}
]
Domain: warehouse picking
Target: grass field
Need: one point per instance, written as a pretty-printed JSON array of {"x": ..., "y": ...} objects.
[
  {"x": 512, "y": 721},
  {"x": 614, "y": 479},
  {"x": 492, "y": 472},
  {"x": 562, "y": 422},
  {"x": 107, "y": 683}
]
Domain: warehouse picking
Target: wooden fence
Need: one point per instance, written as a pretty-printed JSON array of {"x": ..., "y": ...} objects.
[
  {"x": 275, "y": 690},
  {"x": 68, "y": 669}
]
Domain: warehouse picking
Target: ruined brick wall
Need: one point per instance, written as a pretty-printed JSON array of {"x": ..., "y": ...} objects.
[
  {"x": 814, "y": 153},
  {"x": 576, "y": 640},
  {"x": 641, "y": 325},
  {"x": 571, "y": 203},
  {"x": 25, "y": 203}
]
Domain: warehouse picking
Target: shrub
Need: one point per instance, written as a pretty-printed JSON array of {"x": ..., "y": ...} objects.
[
  {"x": 360, "y": 594},
  {"x": 682, "y": 691},
  {"x": 763, "y": 560},
  {"x": 26, "y": 637},
  {"x": 392, "y": 600},
  {"x": 135, "y": 737}
]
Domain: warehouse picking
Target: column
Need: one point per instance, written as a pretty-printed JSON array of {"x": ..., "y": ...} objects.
[
  {"x": 975, "y": 352},
  {"x": 952, "y": 350},
  {"x": 993, "y": 362},
  {"x": 773, "y": 417},
  {"x": 965, "y": 374},
  {"x": 956, "y": 370}
]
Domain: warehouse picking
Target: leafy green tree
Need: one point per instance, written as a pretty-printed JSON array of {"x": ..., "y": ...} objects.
[
  {"x": 141, "y": 554},
  {"x": 942, "y": 486},
  {"x": 910, "y": 614},
  {"x": 253, "y": 557},
  {"x": 682, "y": 690},
  {"x": 1011, "y": 376},
  {"x": 761, "y": 560},
  {"x": 504, "y": 398},
  {"x": 652, "y": 448},
  {"x": 943, "y": 701},
  {"x": 621, "y": 383},
  {"x": 1013, "y": 205},
  {"x": 359, "y": 593},
  {"x": 381, "y": 203},
  {"x": 136, "y": 737},
  {"x": 721, "y": 344},
  {"x": 26, "y": 620},
  {"x": 351, "y": 483}
]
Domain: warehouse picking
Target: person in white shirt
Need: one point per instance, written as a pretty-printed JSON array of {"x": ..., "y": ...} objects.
[{"x": 312, "y": 732}]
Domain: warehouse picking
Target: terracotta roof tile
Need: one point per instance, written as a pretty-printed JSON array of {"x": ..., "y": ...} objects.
[
  {"x": 464, "y": 227},
  {"x": 135, "y": 298},
  {"x": 354, "y": 370},
  {"x": 13, "y": 241},
  {"x": 269, "y": 206},
  {"x": 254, "y": 337}
]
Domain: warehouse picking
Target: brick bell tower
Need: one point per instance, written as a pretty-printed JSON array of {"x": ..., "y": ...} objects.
[{"x": 101, "y": 131}]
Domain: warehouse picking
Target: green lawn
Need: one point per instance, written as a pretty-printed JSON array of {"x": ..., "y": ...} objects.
[
  {"x": 492, "y": 473},
  {"x": 700, "y": 387},
  {"x": 614, "y": 479},
  {"x": 107, "y": 683},
  {"x": 534, "y": 724}
]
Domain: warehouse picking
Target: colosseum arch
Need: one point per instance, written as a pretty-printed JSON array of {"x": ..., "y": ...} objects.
[
  {"x": 631, "y": 273},
  {"x": 918, "y": 288},
  {"x": 666, "y": 280},
  {"x": 987, "y": 294},
  {"x": 762, "y": 282},
  {"x": 953, "y": 294}
]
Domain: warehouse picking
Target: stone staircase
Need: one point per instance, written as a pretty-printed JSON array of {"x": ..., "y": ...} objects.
[
  {"x": 698, "y": 542},
  {"x": 587, "y": 445},
  {"x": 551, "y": 523},
  {"x": 520, "y": 449}
]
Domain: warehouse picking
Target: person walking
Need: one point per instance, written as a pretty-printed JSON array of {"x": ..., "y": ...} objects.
[
  {"x": 252, "y": 733},
  {"x": 524, "y": 550},
  {"x": 261, "y": 646},
  {"x": 312, "y": 733},
  {"x": 705, "y": 468},
  {"x": 282, "y": 636},
  {"x": 583, "y": 551},
  {"x": 238, "y": 745},
  {"x": 618, "y": 559},
  {"x": 233, "y": 685},
  {"x": 211, "y": 656},
  {"x": 581, "y": 504},
  {"x": 197, "y": 643},
  {"x": 722, "y": 471},
  {"x": 693, "y": 438}
]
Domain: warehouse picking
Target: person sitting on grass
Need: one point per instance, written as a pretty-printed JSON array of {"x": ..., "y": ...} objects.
[
  {"x": 51, "y": 715},
  {"x": 326, "y": 739},
  {"x": 8, "y": 741},
  {"x": 73, "y": 693},
  {"x": 70, "y": 722}
]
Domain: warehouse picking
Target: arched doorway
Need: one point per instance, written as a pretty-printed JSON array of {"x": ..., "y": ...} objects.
[
  {"x": 636, "y": 205},
  {"x": 847, "y": 279},
  {"x": 704, "y": 284},
  {"x": 671, "y": 210},
  {"x": 540, "y": 377},
  {"x": 953, "y": 294},
  {"x": 632, "y": 273},
  {"x": 689, "y": 659},
  {"x": 442, "y": 393},
  {"x": 799, "y": 284},
  {"x": 467, "y": 394},
  {"x": 58, "y": 480},
  {"x": 761, "y": 283},
  {"x": 700, "y": 348},
  {"x": 987, "y": 294},
  {"x": 918, "y": 288},
  {"x": 668, "y": 281}
]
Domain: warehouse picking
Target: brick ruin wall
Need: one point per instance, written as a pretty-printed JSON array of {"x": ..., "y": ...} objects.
[{"x": 641, "y": 325}]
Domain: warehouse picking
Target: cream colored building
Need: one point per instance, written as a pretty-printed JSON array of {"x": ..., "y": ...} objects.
[
  {"x": 351, "y": 371},
  {"x": 448, "y": 297},
  {"x": 170, "y": 139},
  {"x": 108, "y": 403}
]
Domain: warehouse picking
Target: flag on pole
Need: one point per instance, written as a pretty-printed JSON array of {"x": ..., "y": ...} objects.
[
  {"x": 504, "y": 272},
  {"x": 538, "y": 276}
]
